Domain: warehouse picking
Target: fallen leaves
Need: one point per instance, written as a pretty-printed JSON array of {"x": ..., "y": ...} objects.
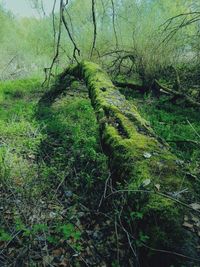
[
  {"x": 188, "y": 225},
  {"x": 157, "y": 186},
  {"x": 147, "y": 155},
  {"x": 192, "y": 223},
  {"x": 195, "y": 206},
  {"x": 146, "y": 182}
]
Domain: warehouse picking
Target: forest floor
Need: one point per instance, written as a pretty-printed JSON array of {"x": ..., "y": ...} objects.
[
  {"x": 53, "y": 173},
  {"x": 176, "y": 123},
  {"x": 50, "y": 159}
]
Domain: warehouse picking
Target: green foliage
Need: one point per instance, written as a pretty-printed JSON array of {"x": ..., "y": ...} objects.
[
  {"x": 136, "y": 156},
  {"x": 136, "y": 215},
  {"x": 132, "y": 27},
  {"x": 39, "y": 228},
  {"x": 4, "y": 236},
  {"x": 71, "y": 122},
  {"x": 23, "y": 135},
  {"x": 175, "y": 125},
  {"x": 115, "y": 264},
  {"x": 46, "y": 150},
  {"x": 142, "y": 239},
  {"x": 20, "y": 133},
  {"x": 60, "y": 231},
  {"x": 26, "y": 45},
  {"x": 68, "y": 230}
]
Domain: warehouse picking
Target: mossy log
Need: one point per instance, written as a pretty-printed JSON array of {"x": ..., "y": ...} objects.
[{"x": 140, "y": 163}]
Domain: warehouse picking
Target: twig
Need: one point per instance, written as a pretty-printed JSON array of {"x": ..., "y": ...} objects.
[
  {"x": 53, "y": 22},
  {"x": 128, "y": 236},
  {"x": 185, "y": 22},
  {"x": 184, "y": 141},
  {"x": 48, "y": 71},
  {"x": 76, "y": 49},
  {"x": 105, "y": 190},
  {"x": 151, "y": 248},
  {"x": 78, "y": 254},
  {"x": 10, "y": 61},
  {"x": 154, "y": 192},
  {"x": 113, "y": 22},
  {"x": 193, "y": 128}
]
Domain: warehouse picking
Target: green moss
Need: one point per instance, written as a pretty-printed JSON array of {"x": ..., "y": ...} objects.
[
  {"x": 127, "y": 137},
  {"x": 157, "y": 202},
  {"x": 136, "y": 155},
  {"x": 75, "y": 85}
]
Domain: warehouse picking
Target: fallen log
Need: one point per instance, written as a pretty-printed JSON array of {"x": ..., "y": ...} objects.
[
  {"x": 151, "y": 175},
  {"x": 180, "y": 94}
]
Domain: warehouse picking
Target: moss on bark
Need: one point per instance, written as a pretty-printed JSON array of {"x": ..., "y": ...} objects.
[{"x": 136, "y": 156}]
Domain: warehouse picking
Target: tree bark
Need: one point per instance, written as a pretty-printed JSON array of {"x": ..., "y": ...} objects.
[{"x": 144, "y": 168}]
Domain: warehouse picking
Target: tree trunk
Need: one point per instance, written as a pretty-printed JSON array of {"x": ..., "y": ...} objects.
[{"x": 146, "y": 169}]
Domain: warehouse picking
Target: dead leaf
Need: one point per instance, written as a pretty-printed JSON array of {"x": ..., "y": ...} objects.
[
  {"x": 195, "y": 206},
  {"x": 57, "y": 252},
  {"x": 31, "y": 156},
  {"x": 157, "y": 186},
  {"x": 188, "y": 225},
  {"x": 146, "y": 182},
  {"x": 47, "y": 259},
  {"x": 147, "y": 155},
  {"x": 195, "y": 219},
  {"x": 64, "y": 263}
]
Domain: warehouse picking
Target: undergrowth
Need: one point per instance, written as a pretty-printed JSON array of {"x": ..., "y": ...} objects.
[
  {"x": 50, "y": 157},
  {"x": 54, "y": 176}
]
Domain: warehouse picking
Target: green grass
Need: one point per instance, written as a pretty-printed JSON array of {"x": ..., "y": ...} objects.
[
  {"x": 47, "y": 152},
  {"x": 72, "y": 145},
  {"x": 67, "y": 130},
  {"x": 19, "y": 131},
  {"x": 52, "y": 167}
]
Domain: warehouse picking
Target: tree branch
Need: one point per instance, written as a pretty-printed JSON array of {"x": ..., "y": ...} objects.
[
  {"x": 95, "y": 28},
  {"x": 113, "y": 22}
]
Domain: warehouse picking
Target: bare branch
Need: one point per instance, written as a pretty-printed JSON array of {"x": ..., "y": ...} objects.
[
  {"x": 113, "y": 22},
  {"x": 48, "y": 71},
  {"x": 95, "y": 28},
  {"x": 173, "y": 24},
  {"x": 76, "y": 49},
  {"x": 54, "y": 26}
]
